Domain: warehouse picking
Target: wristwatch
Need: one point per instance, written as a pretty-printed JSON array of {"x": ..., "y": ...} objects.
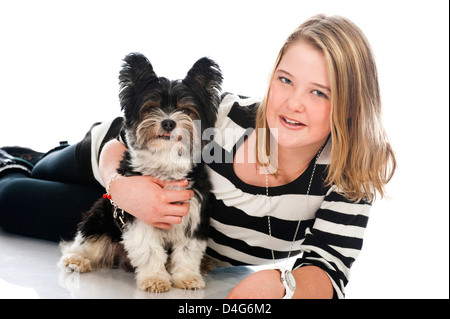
[{"x": 288, "y": 280}]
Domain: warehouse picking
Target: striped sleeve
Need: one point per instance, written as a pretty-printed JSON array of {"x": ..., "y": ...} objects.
[{"x": 336, "y": 238}]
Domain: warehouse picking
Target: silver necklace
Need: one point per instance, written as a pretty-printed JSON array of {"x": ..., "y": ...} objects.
[{"x": 298, "y": 223}]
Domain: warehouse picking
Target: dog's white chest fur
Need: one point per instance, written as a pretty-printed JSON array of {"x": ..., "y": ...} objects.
[
  {"x": 163, "y": 164},
  {"x": 182, "y": 232}
]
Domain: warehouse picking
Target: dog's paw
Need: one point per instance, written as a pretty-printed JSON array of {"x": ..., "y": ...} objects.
[
  {"x": 192, "y": 282},
  {"x": 154, "y": 284},
  {"x": 76, "y": 263}
]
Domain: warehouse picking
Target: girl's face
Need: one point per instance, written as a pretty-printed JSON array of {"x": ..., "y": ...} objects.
[{"x": 299, "y": 102}]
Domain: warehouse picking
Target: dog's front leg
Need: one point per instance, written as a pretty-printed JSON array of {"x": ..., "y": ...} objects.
[
  {"x": 146, "y": 252},
  {"x": 185, "y": 264}
]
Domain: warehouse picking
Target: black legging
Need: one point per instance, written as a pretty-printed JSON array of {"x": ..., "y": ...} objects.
[{"x": 47, "y": 205}]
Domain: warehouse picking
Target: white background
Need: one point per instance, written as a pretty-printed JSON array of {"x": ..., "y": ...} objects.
[{"x": 59, "y": 62}]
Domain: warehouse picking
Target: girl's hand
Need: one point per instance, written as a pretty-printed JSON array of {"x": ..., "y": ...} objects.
[
  {"x": 264, "y": 284},
  {"x": 145, "y": 198}
]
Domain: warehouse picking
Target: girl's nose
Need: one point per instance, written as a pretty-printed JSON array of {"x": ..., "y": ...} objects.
[{"x": 295, "y": 102}]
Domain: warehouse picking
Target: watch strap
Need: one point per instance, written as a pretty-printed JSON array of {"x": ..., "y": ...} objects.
[{"x": 288, "y": 282}]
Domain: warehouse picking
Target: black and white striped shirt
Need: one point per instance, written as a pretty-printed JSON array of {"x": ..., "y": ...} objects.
[{"x": 331, "y": 230}]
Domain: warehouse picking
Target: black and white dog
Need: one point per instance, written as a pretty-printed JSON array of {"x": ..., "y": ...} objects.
[{"x": 163, "y": 125}]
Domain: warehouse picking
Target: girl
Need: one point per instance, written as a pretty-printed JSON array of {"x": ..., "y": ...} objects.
[{"x": 306, "y": 164}]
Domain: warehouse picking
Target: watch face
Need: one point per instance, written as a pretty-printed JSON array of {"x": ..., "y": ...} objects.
[{"x": 290, "y": 280}]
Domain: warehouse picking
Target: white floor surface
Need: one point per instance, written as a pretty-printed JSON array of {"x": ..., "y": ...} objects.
[{"x": 28, "y": 269}]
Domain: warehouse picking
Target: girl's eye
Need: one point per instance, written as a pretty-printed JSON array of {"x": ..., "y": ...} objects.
[
  {"x": 319, "y": 94},
  {"x": 285, "y": 80}
]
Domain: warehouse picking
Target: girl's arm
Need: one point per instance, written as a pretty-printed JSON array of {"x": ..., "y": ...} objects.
[
  {"x": 312, "y": 283},
  {"x": 330, "y": 247},
  {"x": 143, "y": 196}
]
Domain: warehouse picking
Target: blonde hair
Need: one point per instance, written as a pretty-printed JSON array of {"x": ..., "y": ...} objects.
[{"x": 362, "y": 159}]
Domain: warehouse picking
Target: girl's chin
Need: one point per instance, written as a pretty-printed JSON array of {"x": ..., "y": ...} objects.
[{"x": 287, "y": 140}]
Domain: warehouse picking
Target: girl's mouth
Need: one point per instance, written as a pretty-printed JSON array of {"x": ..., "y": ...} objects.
[{"x": 291, "y": 124}]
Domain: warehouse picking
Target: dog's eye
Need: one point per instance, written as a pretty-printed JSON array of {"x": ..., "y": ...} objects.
[
  {"x": 150, "y": 106},
  {"x": 186, "y": 111}
]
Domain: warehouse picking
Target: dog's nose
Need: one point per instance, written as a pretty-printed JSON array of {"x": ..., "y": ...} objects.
[{"x": 168, "y": 125}]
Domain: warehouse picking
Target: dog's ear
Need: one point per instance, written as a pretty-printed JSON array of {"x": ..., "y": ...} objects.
[
  {"x": 205, "y": 79},
  {"x": 135, "y": 77}
]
